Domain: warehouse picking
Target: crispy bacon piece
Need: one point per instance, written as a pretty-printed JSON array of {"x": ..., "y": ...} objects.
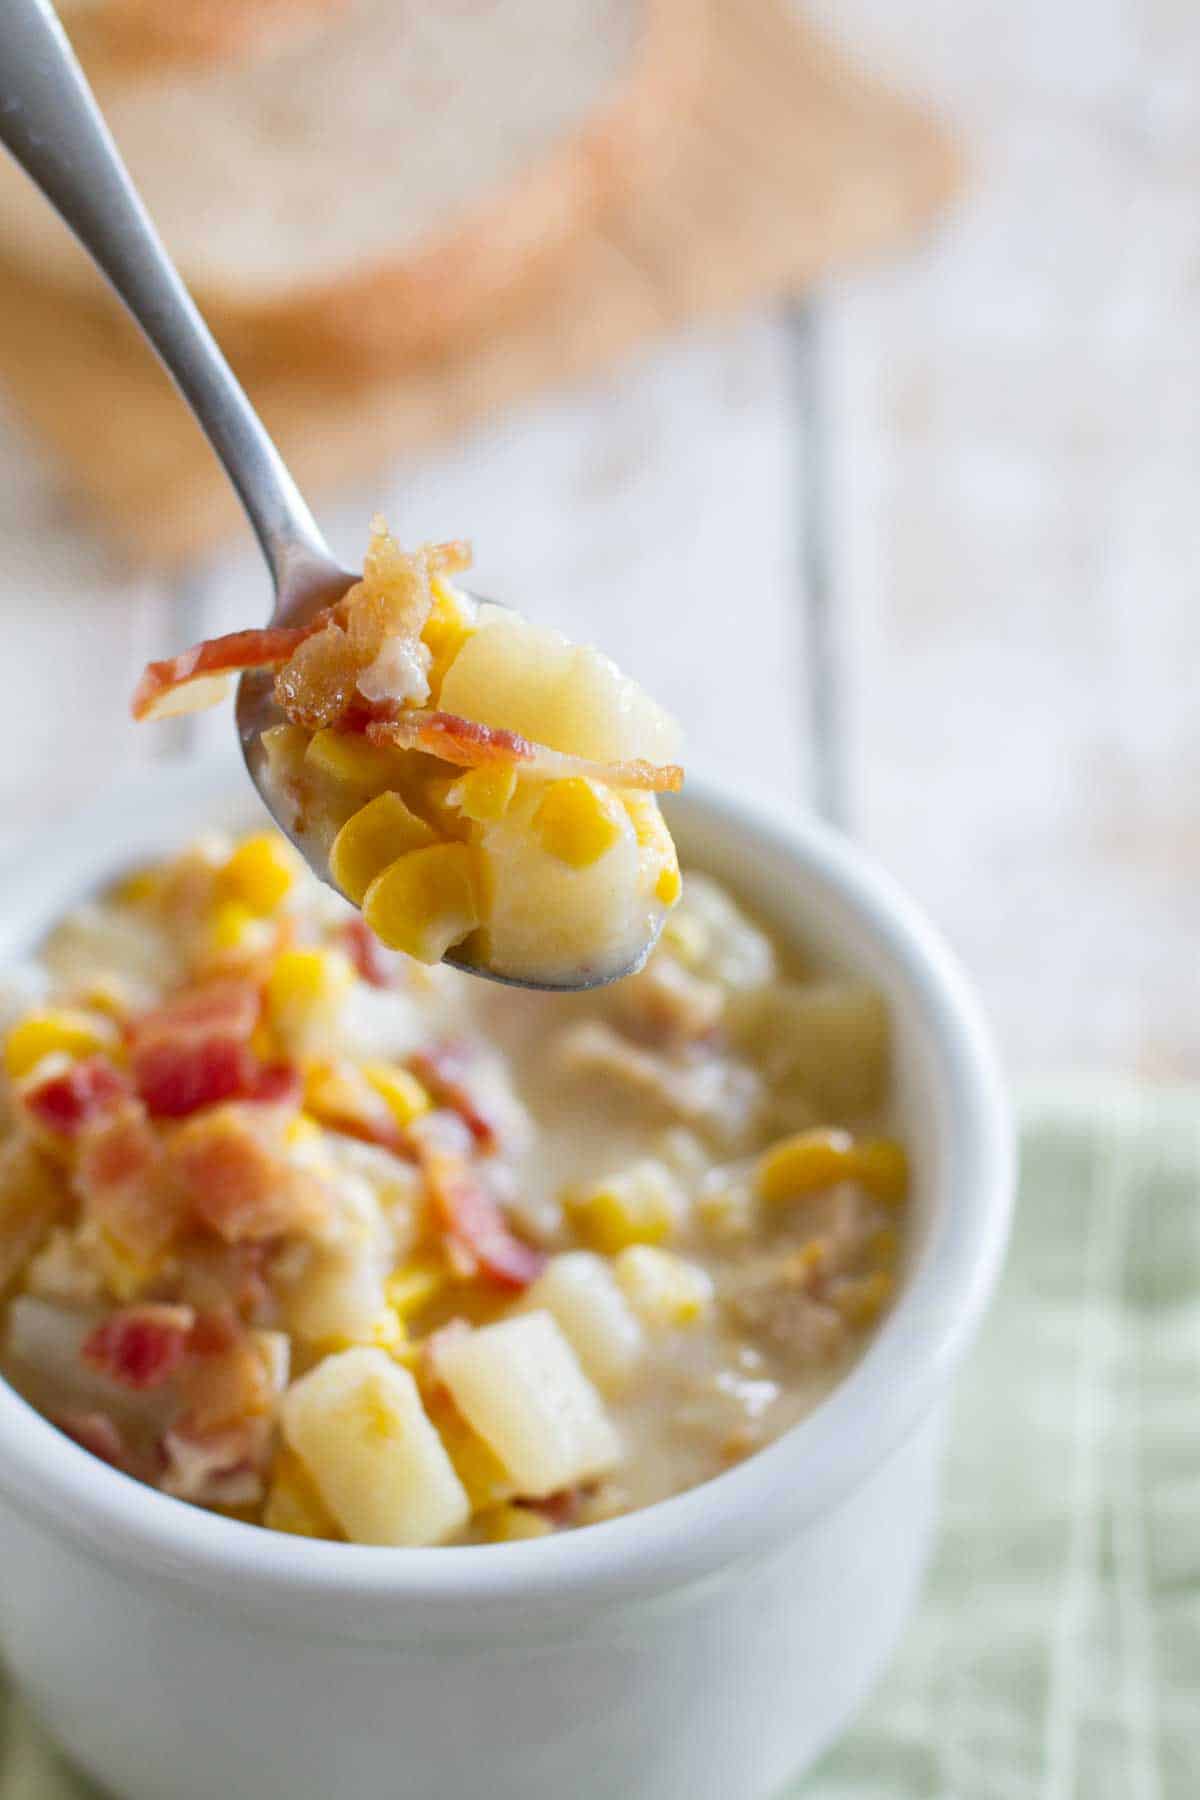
[
  {"x": 223, "y": 1384},
  {"x": 195, "y": 1051},
  {"x": 342, "y": 1098},
  {"x": 375, "y": 964},
  {"x": 235, "y": 1181},
  {"x": 73, "y": 1098},
  {"x": 470, "y": 745},
  {"x": 159, "y": 691},
  {"x": 476, "y": 1229},
  {"x": 96, "y": 1432},
  {"x": 120, "y": 1178},
  {"x": 140, "y": 1346},
  {"x": 276, "y": 1084},
  {"x": 444, "y": 1069},
  {"x": 217, "y": 1468}
]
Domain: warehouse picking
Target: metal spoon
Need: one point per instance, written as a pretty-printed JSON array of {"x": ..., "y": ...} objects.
[{"x": 50, "y": 122}]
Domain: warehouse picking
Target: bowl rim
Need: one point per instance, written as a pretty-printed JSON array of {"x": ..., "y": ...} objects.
[{"x": 747, "y": 1509}]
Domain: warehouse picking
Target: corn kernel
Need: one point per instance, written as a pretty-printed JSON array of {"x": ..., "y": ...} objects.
[
  {"x": 301, "y": 1130},
  {"x": 577, "y": 821},
  {"x": 260, "y": 873},
  {"x": 402, "y": 1091},
  {"x": 861, "y": 1298},
  {"x": 371, "y": 840},
  {"x": 415, "y": 1284},
  {"x": 139, "y": 887},
  {"x": 509, "y": 1524},
  {"x": 669, "y": 885},
  {"x": 449, "y": 625},
  {"x": 813, "y": 1160},
  {"x": 293, "y": 1503},
  {"x": 305, "y": 991},
  {"x": 426, "y": 901},
  {"x": 663, "y": 1289},
  {"x": 356, "y": 766},
  {"x": 61, "y": 1029},
  {"x": 485, "y": 794},
  {"x": 232, "y": 929},
  {"x": 640, "y": 1205},
  {"x": 124, "y": 1274}
]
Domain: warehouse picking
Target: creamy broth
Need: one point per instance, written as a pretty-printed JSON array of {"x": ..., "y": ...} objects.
[{"x": 296, "y": 1228}]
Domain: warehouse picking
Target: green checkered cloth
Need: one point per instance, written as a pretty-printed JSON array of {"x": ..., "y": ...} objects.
[{"x": 1056, "y": 1654}]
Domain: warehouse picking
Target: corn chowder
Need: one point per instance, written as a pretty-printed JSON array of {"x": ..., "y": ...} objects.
[
  {"x": 299, "y": 1229},
  {"x": 473, "y": 782}
]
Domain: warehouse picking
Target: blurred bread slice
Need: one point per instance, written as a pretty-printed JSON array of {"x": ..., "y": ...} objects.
[
  {"x": 379, "y": 186},
  {"x": 787, "y": 162},
  {"x": 143, "y": 32}
]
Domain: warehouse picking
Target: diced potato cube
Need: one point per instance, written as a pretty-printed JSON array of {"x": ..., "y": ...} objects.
[
  {"x": 643, "y": 1204},
  {"x": 357, "y": 1424},
  {"x": 511, "y": 1524},
  {"x": 578, "y": 821},
  {"x": 827, "y": 1040},
  {"x": 305, "y": 993},
  {"x": 484, "y": 795},
  {"x": 581, "y": 1294},
  {"x": 57, "y": 1029},
  {"x": 663, "y": 1289},
  {"x": 520, "y": 1386},
  {"x": 404, "y": 1094},
  {"x": 340, "y": 1300},
  {"x": 260, "y": 873},
  {"x": 426, "y": 902},
  {"x": 371, "y": 840},
  {"x": 811, "y": 1161}
]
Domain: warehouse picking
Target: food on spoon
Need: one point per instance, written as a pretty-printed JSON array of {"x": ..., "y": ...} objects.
[
  {"x": 299, "y": 1229},
  {"x": 472, "y": 781}
]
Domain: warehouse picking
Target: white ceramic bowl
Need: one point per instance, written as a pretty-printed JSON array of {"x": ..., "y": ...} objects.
[{"x": 708, "y": 1647}]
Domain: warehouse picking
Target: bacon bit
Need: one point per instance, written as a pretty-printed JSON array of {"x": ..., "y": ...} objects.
[
  {"x": 276, "y": 1084},
  {"x": 218, "y": 1468},
  {"x": 140, "y": 1346},
  {"x": 235, "y": 1183},
  {"x": 442, "y": 1069},
  {"x": 341, "y": 1097},
  {"x": 448, "y": 559},
  {"x": 228, "y": 655},
  {"x": 194, "y": 1051},
  {"x": 373, "y": 962},
  {"x": 477, "y": 1232},
  {"x": 561, "y": 1508},
  {"x": 96, "y": 1432},
  {"x": 212, "y": 1334},
  {"x": 120, "y": 1180},
  {"x": 72, "y": 1099},
  {"x": 224, "y": 1387},
  {"x": 470, "y": 745}
]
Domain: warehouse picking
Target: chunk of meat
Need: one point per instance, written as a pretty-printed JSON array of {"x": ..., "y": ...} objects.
[
  {"x": 470, "y": 745},
  {"x": 236, "y": 1180},
  {"x": 668, "y": 1005},
  {"x": 704, "y": 1089},
  {"x": 140, "y": 1346},
  {"x": 121, "y": 1179},
  {"x": 70, "y": 1099},
  {"x": 476, "y": 1231},
  {"x": 164, "y": 686}
]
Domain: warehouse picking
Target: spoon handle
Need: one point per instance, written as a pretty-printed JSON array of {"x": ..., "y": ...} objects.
[{"x": 50, "y": 122}]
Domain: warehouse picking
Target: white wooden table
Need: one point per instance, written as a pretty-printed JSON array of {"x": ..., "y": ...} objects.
[{"x": 977, "y": 648}]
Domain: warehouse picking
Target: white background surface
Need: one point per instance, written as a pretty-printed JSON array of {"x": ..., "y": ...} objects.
[{"x": 1005, "y": 438}]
